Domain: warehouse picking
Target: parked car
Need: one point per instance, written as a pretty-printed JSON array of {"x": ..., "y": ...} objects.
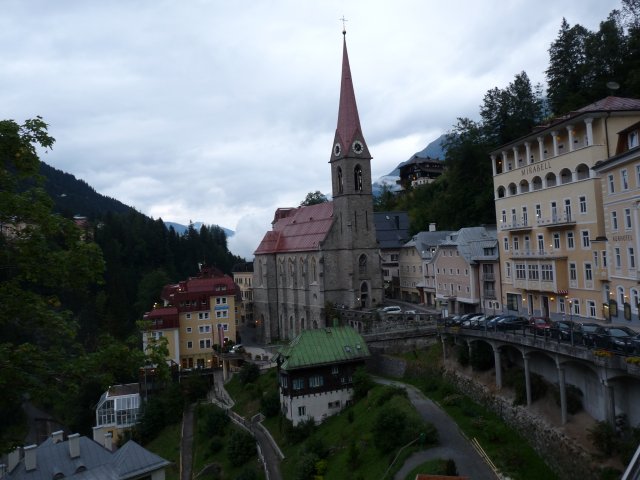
[
  {"x": 615, "y": 338},
  {"x": 566, "y": 331},
  {"x": 491, "y": 323},
  {"x": 511, "y": 322},
  {"x": 587, "y": 330},
  {"x": 540, "y": 325},
  {"x": 469, "y": 320},
  {"x": 237, "y": 348},
  {"x": 392, "y": 310},
  {"x": 482, "y": 322}
]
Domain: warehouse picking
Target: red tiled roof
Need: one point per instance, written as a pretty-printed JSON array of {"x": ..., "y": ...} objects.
[
  {"x": 161, "y": 312},
  {"x": 302, "y": 230}
]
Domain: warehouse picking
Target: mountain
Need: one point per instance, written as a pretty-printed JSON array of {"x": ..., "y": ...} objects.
[
  {"x": 72, "y": 196},
  {"x": 434, "y": 149},
  {"x": 182, "y": 229}
]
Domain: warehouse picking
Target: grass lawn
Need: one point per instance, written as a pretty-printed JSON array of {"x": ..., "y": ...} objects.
[{"x": 167, "y": 445}]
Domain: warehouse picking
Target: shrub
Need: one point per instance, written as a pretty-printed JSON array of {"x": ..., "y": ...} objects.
[
  {"x": 389, "y": 429},
  {"x": 350, "y": 416},
  {"x": 216, "y": 444},
  {"x": 300, "y": 432},
  {"x": 451, "y": 400},
  {"x": 603, "y": 437},
  {"x": 353, "y": 456},
  {"x": 388, "y": 392},
  {"x": 316, "y": 446},
  {"x": 362, "y": 383},
  {"x": 249, "y": 373},
  {"x": 306, "y": 467},
  {"x": 270, "y": 403},
  {"x": 481, "y": 356},
  {"x": 195, "y": 387},
  {"x": 241, "y": 447},
  {"x": 212, "y": 420}
]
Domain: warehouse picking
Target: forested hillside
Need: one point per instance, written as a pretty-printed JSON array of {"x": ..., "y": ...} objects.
[{"x": 584, "y": 66}]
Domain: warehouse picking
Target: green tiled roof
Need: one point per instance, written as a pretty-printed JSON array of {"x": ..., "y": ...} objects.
[{"x": 322, "y": 346}]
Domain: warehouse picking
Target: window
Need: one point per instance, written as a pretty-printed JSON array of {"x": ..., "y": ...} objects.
[
  {"x": 204, "y": 328},
  {"x": 507, "y": 267},
  {"x": 203, "y": 316},
  {"x": 520, "y": 271},
  {"x": 189, "y": 344},
  {"x": 516, "y": 243},
  {"x": 586, "y": 242},
  {"x": 627, "y": 219},
  {"x": 547, "y": 273},
  {"x": 538, "y": 211},
  {"x": 514, "y": 217},
  {"x": 205, "y": 343},
  {"x": 588, "y": 272},
  {"x": 561, "y": 307},
  {"x": 570, "y": 242},
  {"x": 504, "y": 216},
  {"x": 189, "y": 329},
  {"x": 635, "y": 299},
  {"x": 573, "y": 272},
  {"x": 339, "y": 180},
  {"x": 554, "y": 212},
  {"x": 302, "y": 411},
  {"x": 533, "y": 272},
  {"x": 596, "y": 260},
  {"x": 591, "y": 308},
  {"x": 614, "y": 221},
  {"x": 362, "y": 264},
  {"x": 583, "y": 204},
  {"x": 576, "y": 306},
  {"x": 222, "y": 313},
  {"x": 540, "y": 242},
  {"x": 298, "y": 383},
  {"x": 221, "y": 300},
  {"x": 527, "y": 243},
  {"x": 525, "y": 216},
  {"x": 284, "y": 381},
  {"x": 611, "y": 183},
  {"x": 357, "y": 178},
  {"x": 556, "y": 241},
  {"x": 316, "y": 381},
  {"x": 618, "y": 259},
  {"x": 567, "y": 209},
  {"x": 506, "y": 244},
  {"x": 334, "y": 370},
  {"x": 512, "y": 301},
  {"x": 632, "y": 258},
  {"x": 604, "y": 259},
  {"x": 624, "y": 179},
  {"x": 632, "y": 139},
  {"x": 188, "y": 316}
]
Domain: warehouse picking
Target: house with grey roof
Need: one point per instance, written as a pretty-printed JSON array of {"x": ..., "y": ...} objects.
[
  {"x": 467, "y": 273},
  {"x": 416, "y": 284},
  {"x": 392, "y": 232},
  {"x": 81, "y": 458},
  {"x": 315, "y": 372}
]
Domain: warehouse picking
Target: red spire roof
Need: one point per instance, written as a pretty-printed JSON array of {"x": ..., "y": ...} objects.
[{"x": 348, "y": 119}]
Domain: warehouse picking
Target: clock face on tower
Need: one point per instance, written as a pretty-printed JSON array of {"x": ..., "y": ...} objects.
[
  {"x": 357, "y": 147},
  {"x": 337, "y": 149}
]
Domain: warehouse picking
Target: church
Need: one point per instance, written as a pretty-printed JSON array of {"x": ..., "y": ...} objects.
[{"x": 324, "y": 254}]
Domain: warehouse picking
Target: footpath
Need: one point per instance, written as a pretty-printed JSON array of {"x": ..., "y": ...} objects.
[
  {"x": 452, "y": 443},
  {"x": 268, "y": 451}
]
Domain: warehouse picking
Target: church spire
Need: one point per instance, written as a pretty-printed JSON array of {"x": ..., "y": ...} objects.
[{"x": 348, "y": 129}]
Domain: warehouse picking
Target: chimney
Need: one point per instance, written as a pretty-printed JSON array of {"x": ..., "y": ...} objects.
[
  {"x": 58, "y": 436},
  {"x": 74, "y": 445},
  {"x": 96, "y": 434},
  {"x": 108, "y": 441},
  {"x": 30, "y": 458},
  {"x": 432, "y": 227},
  {"x": 13, "y": 459}
]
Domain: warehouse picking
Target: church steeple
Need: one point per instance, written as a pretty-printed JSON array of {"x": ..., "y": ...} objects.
[{"x": 349, "y": 139}]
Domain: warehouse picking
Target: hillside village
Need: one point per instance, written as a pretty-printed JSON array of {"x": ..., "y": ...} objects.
[{"x": 353, "y": 313}]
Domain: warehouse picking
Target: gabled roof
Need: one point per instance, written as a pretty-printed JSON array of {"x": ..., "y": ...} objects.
[
  {"x": 611, "y": 103},
  {"x": 303, "y": 229},
  {"x": 392, "y": 228},
  {"x": 471, "y": 242},
  {"x": 323, "y": 346},
  {"x": 94, "y": 462},
  {"x": 424, "y": 241}
]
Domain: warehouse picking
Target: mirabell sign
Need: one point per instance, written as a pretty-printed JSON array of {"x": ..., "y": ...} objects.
[{"x": 537, "y": 168}]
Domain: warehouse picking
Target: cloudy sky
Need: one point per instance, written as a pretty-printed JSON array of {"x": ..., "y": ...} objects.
[{"x": 221, "y": 111}]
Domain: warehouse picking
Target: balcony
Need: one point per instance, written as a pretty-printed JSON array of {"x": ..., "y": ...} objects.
[
  {"x": 516, "y": 227},
  {"x": 488, "y": 276},
  {"x": 550, "y": 254},
  {"x": 489, "y": 294},
  {"x": 565, "y": 220}
]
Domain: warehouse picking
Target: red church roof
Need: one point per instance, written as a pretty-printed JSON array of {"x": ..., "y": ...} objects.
[{"x": 304, "y": 229}]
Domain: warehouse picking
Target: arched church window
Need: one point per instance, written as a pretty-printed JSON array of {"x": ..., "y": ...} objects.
[
  {"x": 340, "y": 180},
  {"x": 292, "y": 272},
  {"x": 362, "y": 263},
  {"x": 314, "y": 270},
  {"x": 357, "y": 178},
  {"x": 301, "y": 270}
]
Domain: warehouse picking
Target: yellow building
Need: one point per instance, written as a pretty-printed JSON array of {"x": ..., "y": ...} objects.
[
  {"x": 549, "y": 209},
  {"x": 243, "y": 278},
  {"x": 621, "y": 201},
  {"x": 198, "y": 316}
]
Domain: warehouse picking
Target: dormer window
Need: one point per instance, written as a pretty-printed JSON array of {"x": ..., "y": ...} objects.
[{"x": 633, "y": 139}]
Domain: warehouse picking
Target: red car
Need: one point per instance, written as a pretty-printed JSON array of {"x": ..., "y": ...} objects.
[{"x": 540, "y": 325}]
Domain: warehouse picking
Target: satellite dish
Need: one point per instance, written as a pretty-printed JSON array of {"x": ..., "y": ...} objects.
[{"x": 613, "y": 85}]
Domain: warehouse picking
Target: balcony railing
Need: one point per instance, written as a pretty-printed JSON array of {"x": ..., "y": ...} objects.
[
  {"x": 489, "y": 294},
  {"x": 488, "y": 276},
  {"x": 550, "y": 253},
  {"x": 523, "y": 225},
  {"x": 557, "y": 220}
]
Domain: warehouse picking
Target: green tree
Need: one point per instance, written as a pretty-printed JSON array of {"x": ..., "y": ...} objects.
[
  {"x": 241, "y": 447},
  {"x": 43, "y": 257},
  {"x": 314, "y": 198}
]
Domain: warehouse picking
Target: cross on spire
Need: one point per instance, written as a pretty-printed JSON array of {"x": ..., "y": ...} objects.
[{"x": 344, "y": 27}]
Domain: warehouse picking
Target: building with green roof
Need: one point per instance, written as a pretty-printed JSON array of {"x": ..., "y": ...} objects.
[{"x": 315, "y": 372}]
